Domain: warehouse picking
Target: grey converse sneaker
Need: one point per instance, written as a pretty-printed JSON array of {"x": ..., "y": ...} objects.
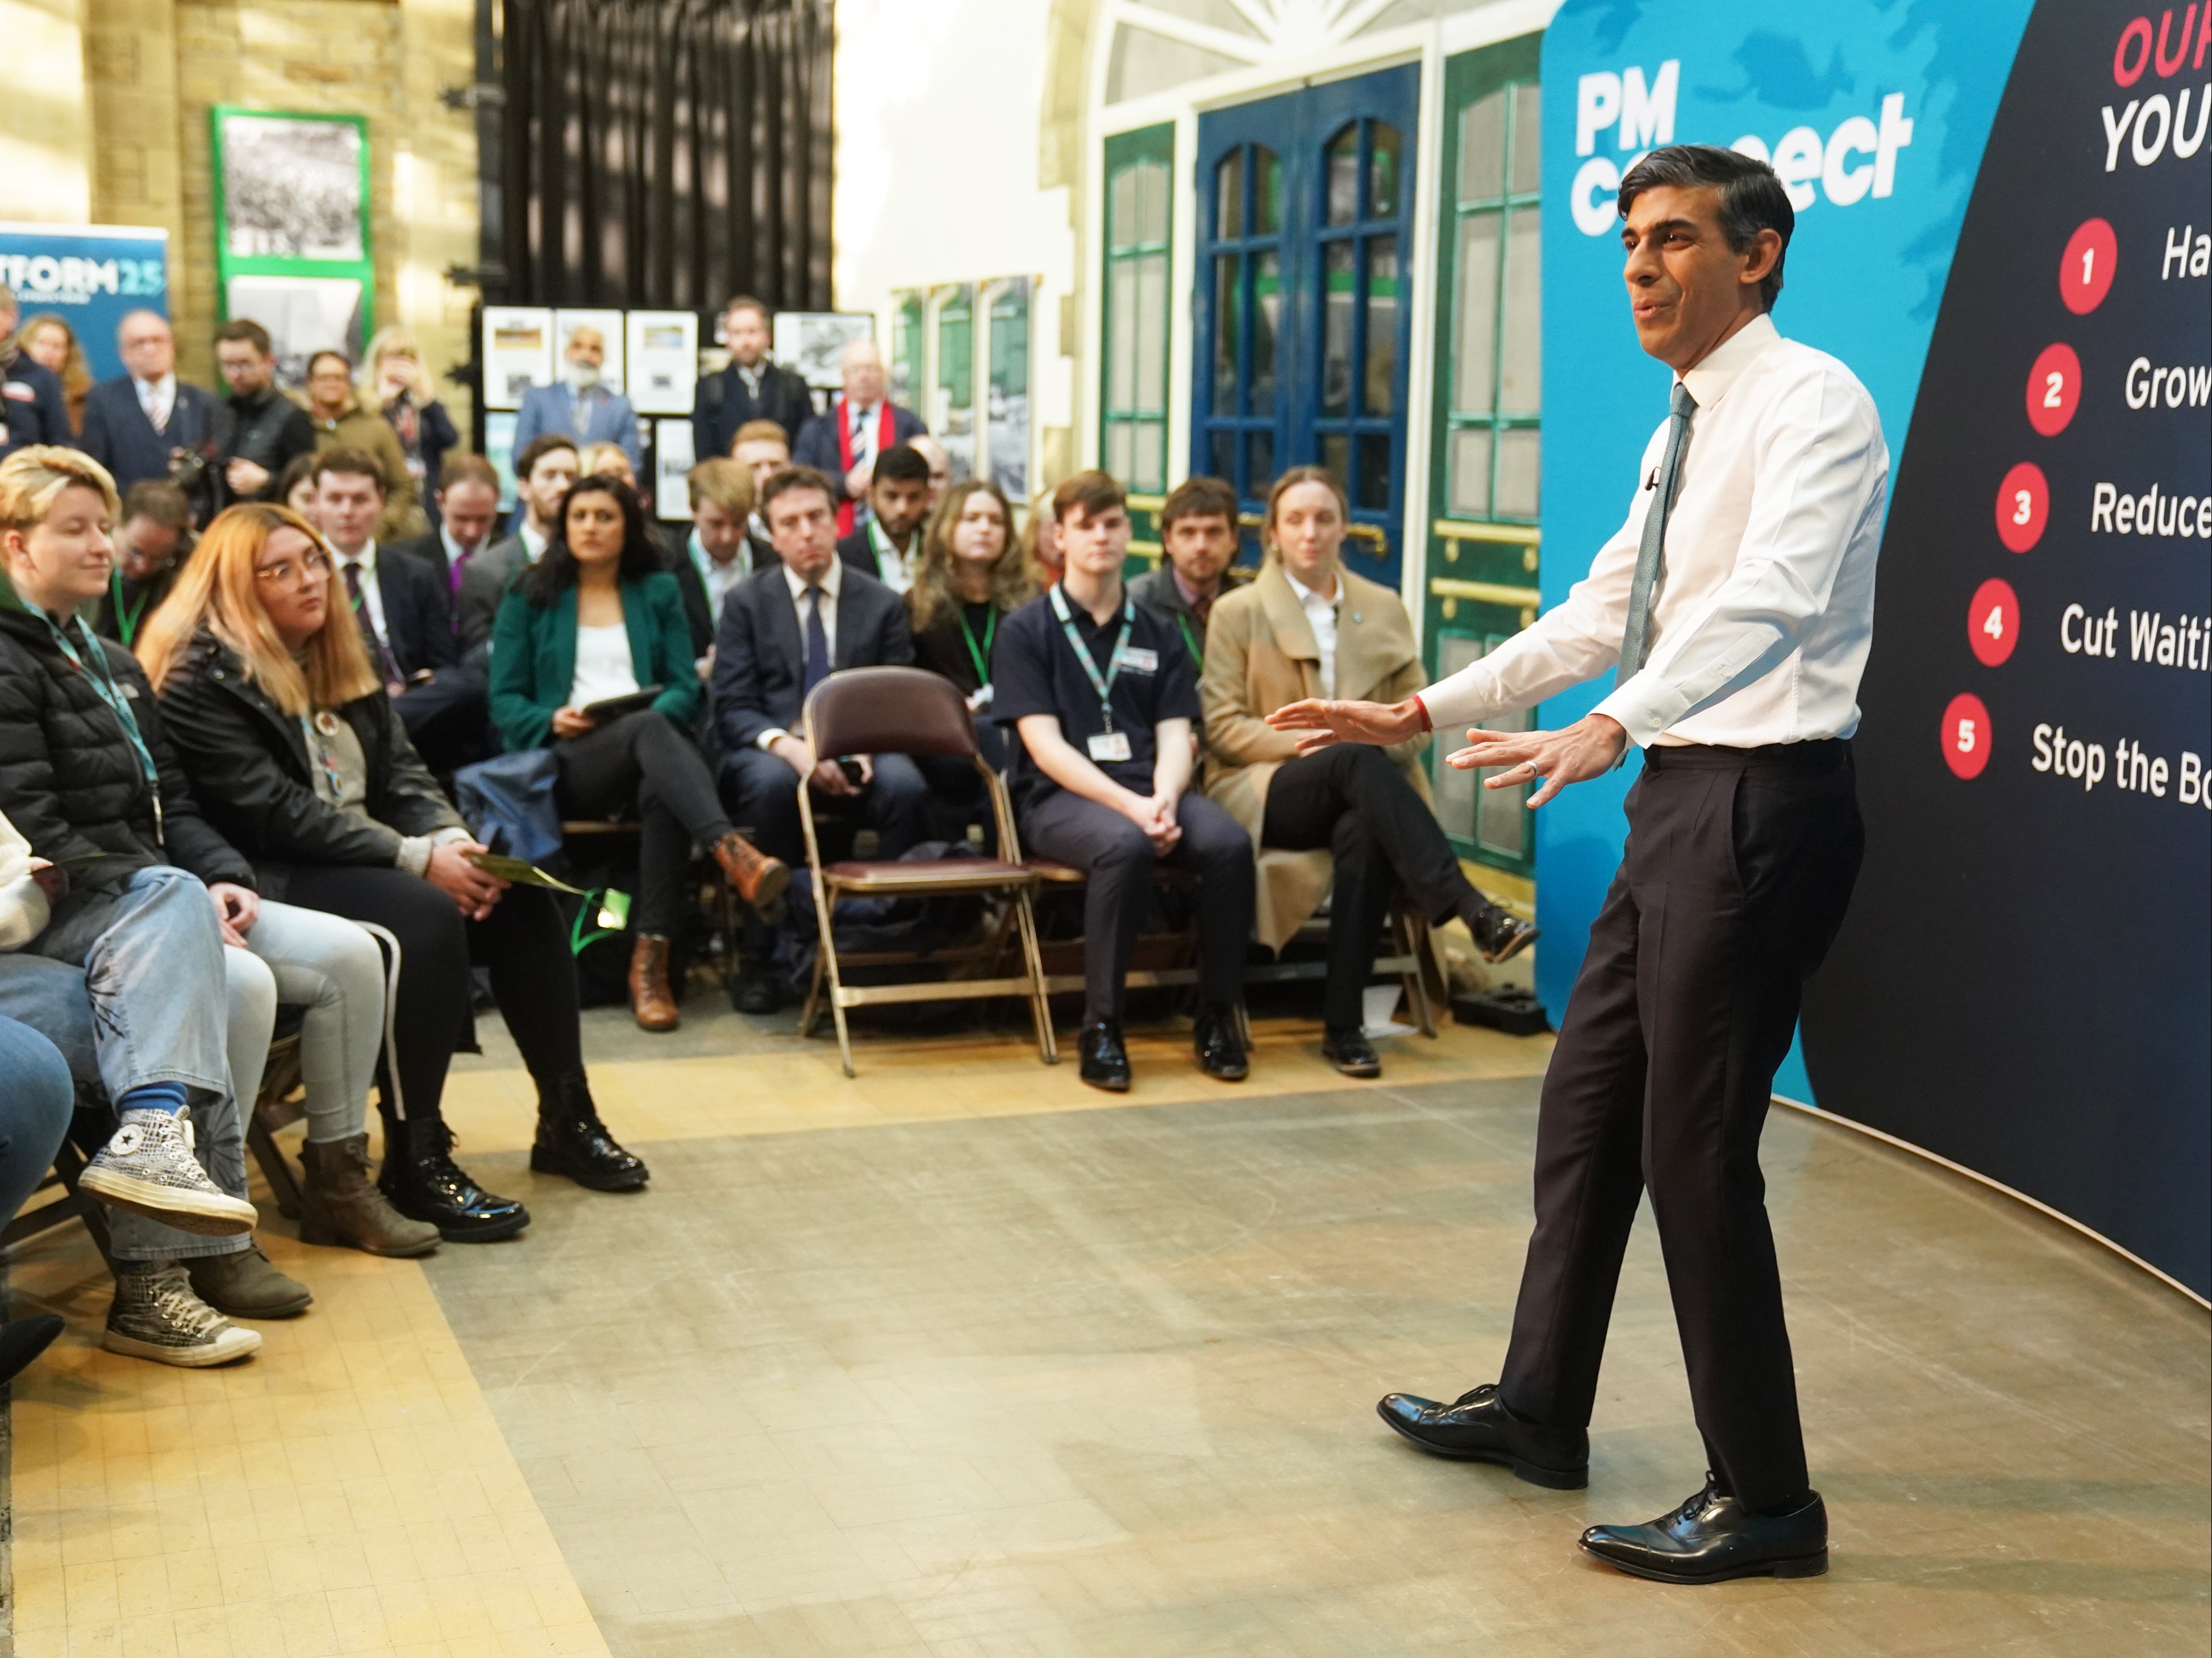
[
  {"x": 155, "y": 1315},
  {"x": 148, "y": 1168}
]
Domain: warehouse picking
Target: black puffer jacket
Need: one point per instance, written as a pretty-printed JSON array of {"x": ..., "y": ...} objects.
[
  {"x": 70, "y": 779},
  {"x": 249, "y": 760}
]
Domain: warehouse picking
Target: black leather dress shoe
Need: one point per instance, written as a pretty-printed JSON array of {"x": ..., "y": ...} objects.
[
  {"x": 572, "y": 1141},
  {"x": 1220, "y": 1050},
  {"x": 1712, "y": 1538},
  {"x": 1105, "y": 1061},
  {"x": 755, "y": 990},
  {"x": 423, "y": 1182},
  {"x": 1347, "y": 1048},
  {"x": 1501, "y": 935},
  {"x": 1476, "y": 1427}
]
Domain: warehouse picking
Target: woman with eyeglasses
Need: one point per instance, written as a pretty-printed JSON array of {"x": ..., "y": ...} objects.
[{"x": 289, "y": 736}]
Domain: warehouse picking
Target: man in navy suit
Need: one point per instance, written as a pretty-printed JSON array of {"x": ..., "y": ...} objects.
[
  {"x": 860, "y": 425},
  {"x": 137, "y": 424},
  {"x": 752, "y": 388},
  {"x": 582, "y": 406},
  {"x": 782, "y": 632}
]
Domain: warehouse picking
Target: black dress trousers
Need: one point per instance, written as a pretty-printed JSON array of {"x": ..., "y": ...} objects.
[{"x": 1739, "y": 866}]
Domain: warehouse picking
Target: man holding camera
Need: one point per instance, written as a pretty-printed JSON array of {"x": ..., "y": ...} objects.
[{"x": 256, "y": 431}]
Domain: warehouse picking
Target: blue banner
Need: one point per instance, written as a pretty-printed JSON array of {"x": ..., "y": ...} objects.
[{"x": 90, "y": 275}]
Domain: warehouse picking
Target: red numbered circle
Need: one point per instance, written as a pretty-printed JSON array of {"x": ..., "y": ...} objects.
[
  {"x": 1966, "y": 735},
  {"x": 2023, "y": 507},
  {"x": 2084, "y": 268},
  {"x": 2054, "y": 390},
  {"x": 1993, "y": 621}
]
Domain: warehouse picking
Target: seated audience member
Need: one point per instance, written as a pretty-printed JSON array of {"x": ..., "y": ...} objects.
[
  {"x": 405, "y": 624},
  {"x": 88, "y": 779},
  {"x": 581, "y": 406},
  {"x": 296, "y": 485},
  {"x": 971, "y": 579},
  {"x": 1040, "y": 542},
  {"x": 717, "y": 554},
  {"x": 1309, "y": 628},
  {"x": 783, "y": 632},
  {"x": 467, "y": 504},
  {"x": 609, "y": 460},
  {"x": 888, "y": 546},
  {"x": 154, "y": 535},
  {"x": 33, "y": 409},
  {"x": 344, "y": 421},
  {"x": 1198, "y": 536},
  {"x": 753, "y": 390},
  {"x": 1102, "y": 698},
  {"x": 256, "y": 431},
  {"x": 762, "y": 449},
  {"x": 141, "y": 423},
  {"x": 49, "y": 341},
  {"x": 397, "y": 385},
  {"x": 940, "y": 465},
  {"x": 598, "y": 620},
  {"x": 860, "y": 424},
  {"x": 543, "y": 472},
  {"x": 282, "y": 722}
]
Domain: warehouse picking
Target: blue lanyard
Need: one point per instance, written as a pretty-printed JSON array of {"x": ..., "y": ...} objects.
[
  {"x": 1103, "y": 684},
  {"x": 103, "y": 683}
]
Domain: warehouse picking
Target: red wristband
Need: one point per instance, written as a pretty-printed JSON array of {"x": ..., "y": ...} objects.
[{"x": 1423, "y": 707}]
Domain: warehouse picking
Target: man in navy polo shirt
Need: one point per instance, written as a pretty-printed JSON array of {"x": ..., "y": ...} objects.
[{"x": 1105, "y": 697}]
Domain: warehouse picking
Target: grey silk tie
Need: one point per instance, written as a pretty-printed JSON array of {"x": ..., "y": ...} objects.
[{"x": 1636, "y": 640}]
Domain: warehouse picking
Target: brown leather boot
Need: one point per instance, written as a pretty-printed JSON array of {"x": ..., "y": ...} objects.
[
  {"x": 339, "y": 1205},
  {"x": 650, "y": 998},
  {"x": 757, "y": 878}
]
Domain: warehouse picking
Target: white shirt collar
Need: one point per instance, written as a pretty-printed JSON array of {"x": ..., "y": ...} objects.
[
  {"x": 832, "y": 579},
  {"x": 161, "y": 391},
  {"x": 366, "y": 557},
  {"x": 534, "y": 541},
  {"x": 455, "y": 553},
  {"x": 1724, "y": 365},
  {"x": 1307, "y": 597}
]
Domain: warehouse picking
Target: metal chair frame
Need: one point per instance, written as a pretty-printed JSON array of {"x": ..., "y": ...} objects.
[{"x": 882, "y": 879}]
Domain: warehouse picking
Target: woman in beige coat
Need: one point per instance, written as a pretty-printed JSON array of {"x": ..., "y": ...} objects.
[{"x": 1309, "y": 628}]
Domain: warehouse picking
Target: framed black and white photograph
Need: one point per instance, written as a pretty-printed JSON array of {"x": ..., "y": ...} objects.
[
  {"x": 293, "y": 187},
  {"x": 810, "y": 343}
]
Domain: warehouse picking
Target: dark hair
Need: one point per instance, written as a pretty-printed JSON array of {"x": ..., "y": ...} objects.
[
  {"x": 1094, "y": 491},
  {"x": 348, "y": 462},
  {"x": 1199, "y": 497},
  {"x": 1752, "y": 199},
  {"x": 300, "y": 470},
  {"x": 747, "y": 303},
  {"x": 467, "y": 469},
  {"x": 245, "y": 328},
  {"x": 900, "y": 463},
  {"x": 555, "y": 573},
  {"x": 540, "y": 446},
  {"x": 159, "y": 500},
  {"x": 327, "y": 352},
  {"x": 786, "y": 479}
]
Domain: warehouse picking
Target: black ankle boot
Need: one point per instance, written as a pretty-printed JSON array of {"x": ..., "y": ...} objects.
[
  {"x": 572, "y": 1141},
  {"x": 421, "y": 1182}
]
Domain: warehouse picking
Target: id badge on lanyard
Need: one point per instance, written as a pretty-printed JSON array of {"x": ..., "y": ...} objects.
[{"x": 1109, "y": 744}]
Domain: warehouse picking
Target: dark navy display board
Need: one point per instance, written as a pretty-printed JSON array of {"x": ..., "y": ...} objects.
[{"x": 1985, "y": 199}]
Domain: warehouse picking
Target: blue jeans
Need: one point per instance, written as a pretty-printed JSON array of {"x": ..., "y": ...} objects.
[
  {"x": 141, "y": 1009},
  {"x": 36, "y": 1098}
]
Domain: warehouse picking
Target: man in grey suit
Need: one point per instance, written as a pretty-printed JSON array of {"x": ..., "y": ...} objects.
[
  {"x": 543, "y": 473},
  {"x": 582, "y": 407}
]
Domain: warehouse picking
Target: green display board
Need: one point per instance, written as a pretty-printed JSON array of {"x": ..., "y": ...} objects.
[{"x": 292, "y": 228}]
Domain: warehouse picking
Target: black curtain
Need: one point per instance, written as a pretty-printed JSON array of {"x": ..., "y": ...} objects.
[{"x": 666, "y": 153}]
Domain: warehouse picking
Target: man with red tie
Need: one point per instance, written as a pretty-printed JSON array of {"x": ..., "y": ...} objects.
[{"x": 862, "y": 424}]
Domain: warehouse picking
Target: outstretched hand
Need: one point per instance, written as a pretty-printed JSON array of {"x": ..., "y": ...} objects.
[
  {"x": 1587, "y": 749},
  {"x": 1322, "y": 723}
]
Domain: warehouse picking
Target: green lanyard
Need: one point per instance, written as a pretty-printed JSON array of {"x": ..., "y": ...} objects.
[
  {"x": 1197, "y": 656},
  {"x": 1103, "y": 684},
  {"x": 980, "y": 655},
  {"x": 103, "y": 683},
  {"x": 126, "y": 621},
  {"x": 888, "y": 557}
]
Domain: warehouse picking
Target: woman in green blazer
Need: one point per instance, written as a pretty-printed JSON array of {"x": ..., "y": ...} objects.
[{"x": 591, "y": 655}]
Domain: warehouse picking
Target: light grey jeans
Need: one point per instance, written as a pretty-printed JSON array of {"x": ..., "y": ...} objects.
[{"x": 330, "y": 968}]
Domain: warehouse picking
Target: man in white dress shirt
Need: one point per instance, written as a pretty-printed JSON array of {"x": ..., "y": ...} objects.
[{"x": 1737, "y": 603}]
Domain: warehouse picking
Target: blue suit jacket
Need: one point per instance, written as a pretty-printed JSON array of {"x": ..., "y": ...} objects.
[
  {"x": 118, "y": 435},
  {"x": 553, "y": 409}
]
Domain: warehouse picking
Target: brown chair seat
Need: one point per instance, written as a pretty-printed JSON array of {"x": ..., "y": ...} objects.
[{"x": 938, "y": 874}]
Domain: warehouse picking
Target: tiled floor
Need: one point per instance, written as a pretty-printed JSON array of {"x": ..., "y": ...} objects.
[{"x": 950, "y": 1360}]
